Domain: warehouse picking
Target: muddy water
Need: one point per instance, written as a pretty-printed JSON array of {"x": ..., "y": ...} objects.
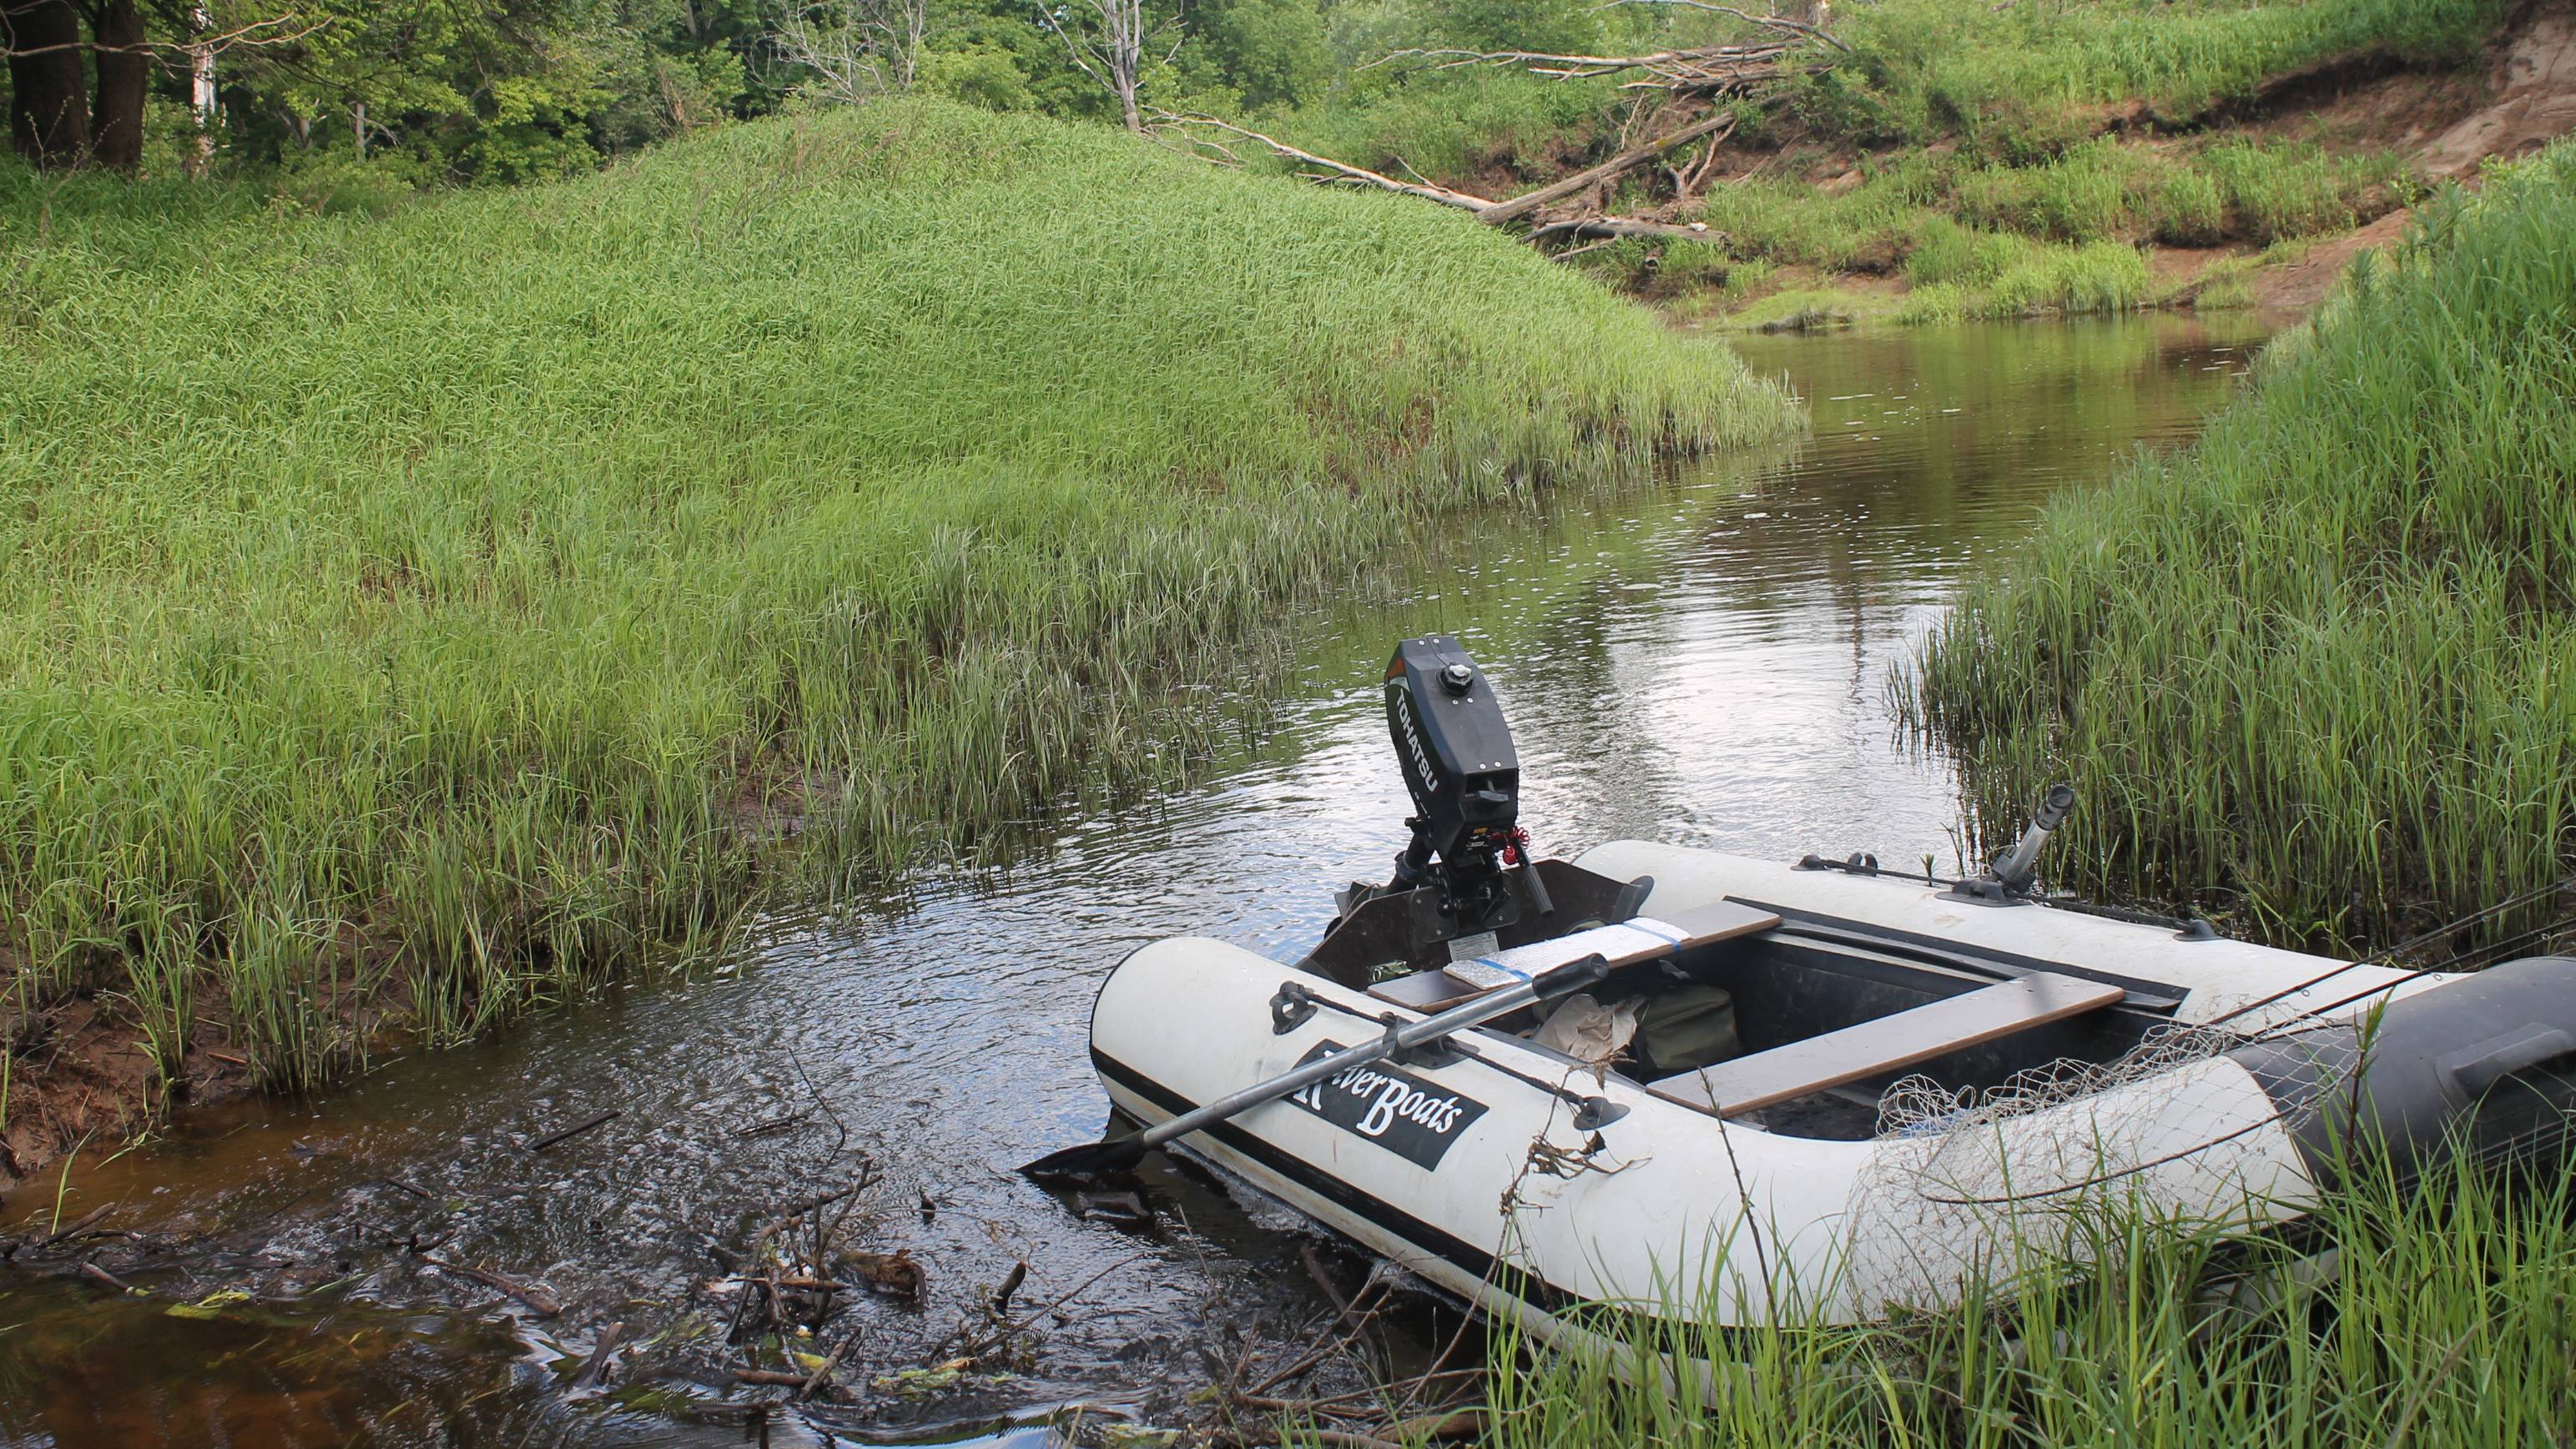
[{"x": 1703, "y": 660}]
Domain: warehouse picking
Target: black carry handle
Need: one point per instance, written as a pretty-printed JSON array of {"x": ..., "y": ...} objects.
[{"x": 1571, "y": 977}]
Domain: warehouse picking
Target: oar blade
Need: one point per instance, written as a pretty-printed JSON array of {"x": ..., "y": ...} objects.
[{"x": 1088, "y": 1161}]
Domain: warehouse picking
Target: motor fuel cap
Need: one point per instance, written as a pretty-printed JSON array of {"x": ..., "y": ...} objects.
[{"x": 1457, "y": 678}]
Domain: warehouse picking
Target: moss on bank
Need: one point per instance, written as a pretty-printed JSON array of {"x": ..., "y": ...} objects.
[
  {"x": 413, "y": 617},
  {"x": 2315, "y": 672}
]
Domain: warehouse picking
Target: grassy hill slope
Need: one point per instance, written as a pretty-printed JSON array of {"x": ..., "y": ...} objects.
[{"x": 411, "y": 615}]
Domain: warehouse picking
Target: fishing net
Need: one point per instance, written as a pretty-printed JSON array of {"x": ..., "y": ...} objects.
[{"x": 2016, "y": 1178}]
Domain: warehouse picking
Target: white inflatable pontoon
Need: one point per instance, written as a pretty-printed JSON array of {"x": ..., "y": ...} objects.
[{"x": 1821, "y": 1090}]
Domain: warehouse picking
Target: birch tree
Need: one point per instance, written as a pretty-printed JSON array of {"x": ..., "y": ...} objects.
[{"x": 1108, "y": 40}]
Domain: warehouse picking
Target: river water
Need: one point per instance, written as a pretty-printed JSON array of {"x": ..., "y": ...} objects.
[{"x": 1703, "y": 660}]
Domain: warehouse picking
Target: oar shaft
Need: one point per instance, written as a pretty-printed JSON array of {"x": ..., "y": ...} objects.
[{"x": 1413, "y": 1034}]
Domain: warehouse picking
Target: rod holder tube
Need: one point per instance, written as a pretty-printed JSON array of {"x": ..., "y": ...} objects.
[{"x": 2015, "y": 868}]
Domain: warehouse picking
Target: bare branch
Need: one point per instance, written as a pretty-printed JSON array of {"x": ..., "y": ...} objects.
[
  {"x": 1116, "y": 58},
  {"x": 1522, "y": 205},
  {"x": 1341, "y": 169},
  {"x": 269, "y": 32},
  {"x": 1698, "y": 69},
  {"x": 871, "y": 53},
  {"x": 1613, "y": 227},
  {"x": 1767, "y": 22}
]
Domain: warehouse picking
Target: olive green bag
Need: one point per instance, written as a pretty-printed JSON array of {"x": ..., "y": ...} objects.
[{"x": 1684, "y": 1030}]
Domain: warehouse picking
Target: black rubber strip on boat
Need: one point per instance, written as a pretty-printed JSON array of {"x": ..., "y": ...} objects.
[
  {"x": 1464, "y": 1256},
  {"x": 2161, "y": 995},
  {"x": 2300, "y": 1234}
]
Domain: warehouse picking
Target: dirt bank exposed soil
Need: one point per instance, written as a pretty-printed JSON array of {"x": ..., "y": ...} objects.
[{"x": 2445, "y": 125}]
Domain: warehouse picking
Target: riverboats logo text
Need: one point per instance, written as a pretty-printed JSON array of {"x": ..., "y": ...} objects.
[{"x": 1400, "y": 1112}]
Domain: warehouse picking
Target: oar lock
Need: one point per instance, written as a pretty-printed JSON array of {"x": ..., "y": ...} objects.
[{"x": 1291, "y": 1007}]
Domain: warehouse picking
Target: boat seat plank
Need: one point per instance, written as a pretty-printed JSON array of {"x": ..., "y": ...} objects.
[
  {"x": 1934, "y": 1029},
  {"x": 1643, "y": 938}
]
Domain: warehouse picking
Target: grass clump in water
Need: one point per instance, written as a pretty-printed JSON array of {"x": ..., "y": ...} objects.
[
  {"x": 2315, "y": 671},
  {"x": 422, "y": 615}
]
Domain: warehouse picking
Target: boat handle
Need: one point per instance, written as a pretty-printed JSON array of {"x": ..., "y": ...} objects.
[{"x": 2477, "y": 1068}]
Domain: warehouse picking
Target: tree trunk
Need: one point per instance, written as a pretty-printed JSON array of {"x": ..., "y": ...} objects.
[
  {"x": 201, "y": 91},
  {"x": 116, "y": 119},
  {"x": 48, "y": 90}
]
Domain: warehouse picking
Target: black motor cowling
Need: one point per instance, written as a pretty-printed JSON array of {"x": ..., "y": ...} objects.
[{"x": 1459, "y": 765}]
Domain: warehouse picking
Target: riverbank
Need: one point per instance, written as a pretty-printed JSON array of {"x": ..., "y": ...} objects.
[
  {"x": 2310, "y": 675},
  {"x": 423, "y": 616},
  {"x": 2312, "y": 672},
  {"x": 1935, "y": 160}
]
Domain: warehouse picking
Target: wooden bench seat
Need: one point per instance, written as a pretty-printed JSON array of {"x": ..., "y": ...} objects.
[
  {"x": 1624, "y": 944},
  {"x": 1872, "y": 1048}
]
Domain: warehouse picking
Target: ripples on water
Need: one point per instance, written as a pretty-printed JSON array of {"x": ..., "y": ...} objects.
[{"x": 1703, "y": 661}]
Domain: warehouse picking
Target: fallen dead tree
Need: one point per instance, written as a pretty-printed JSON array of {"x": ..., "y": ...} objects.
[
  {"x": 1523, "y": 207},
  {"x": 1572, "y": 208},
  {"x": 1694, "y": 71}
]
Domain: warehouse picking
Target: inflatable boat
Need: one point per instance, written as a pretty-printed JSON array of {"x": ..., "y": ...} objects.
[{"x": 1821, "y": 1088}]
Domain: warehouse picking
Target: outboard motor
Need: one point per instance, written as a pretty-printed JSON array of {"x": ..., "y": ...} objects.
[
  {"x": 1467, "y": 883},
  {"x": 1465, "y": 778}
]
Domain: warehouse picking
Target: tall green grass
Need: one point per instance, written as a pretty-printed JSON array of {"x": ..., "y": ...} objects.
[
  {"x": 2316, "y": 671},
  {"x": 2231, "y": 190},
  {"x": 414, "y": 616},
  {"x": 2024, "y": 81},
  {"x": 2434, "y": 1313}
]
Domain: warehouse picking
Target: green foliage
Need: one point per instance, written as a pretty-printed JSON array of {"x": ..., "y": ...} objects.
[
  {"x": 1563, "y": 27},
  {"x": 468, "y": 594},
  {"x": 2233, "y": 189},
  {"x": 2081, "y": 195},
  {"x": 978, "y": 73},
  {"x": 2095, "y": 278},
  {"x": 1947, "y": 253},
  {"x": 2190, "y": 210},
  {"x": 2315, "y": 671},
  {"x": 1456, "y": 125},
  {"x": 2291, "y": 191},
  {"x": 1270, "y": 52}
]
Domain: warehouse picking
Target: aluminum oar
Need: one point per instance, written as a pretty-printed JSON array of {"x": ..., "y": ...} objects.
[{"x": 1118, "y": 1153}]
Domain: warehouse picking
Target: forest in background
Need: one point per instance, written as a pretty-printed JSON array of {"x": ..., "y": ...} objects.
[
  {"x": 1794, "y": 164},
  {"x": 448, "y": 91}
]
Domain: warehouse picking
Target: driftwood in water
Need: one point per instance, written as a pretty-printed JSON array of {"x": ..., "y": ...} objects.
[
  {"x": 599, "y": 1119},
  {"x": 538, "y": 1300}
]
